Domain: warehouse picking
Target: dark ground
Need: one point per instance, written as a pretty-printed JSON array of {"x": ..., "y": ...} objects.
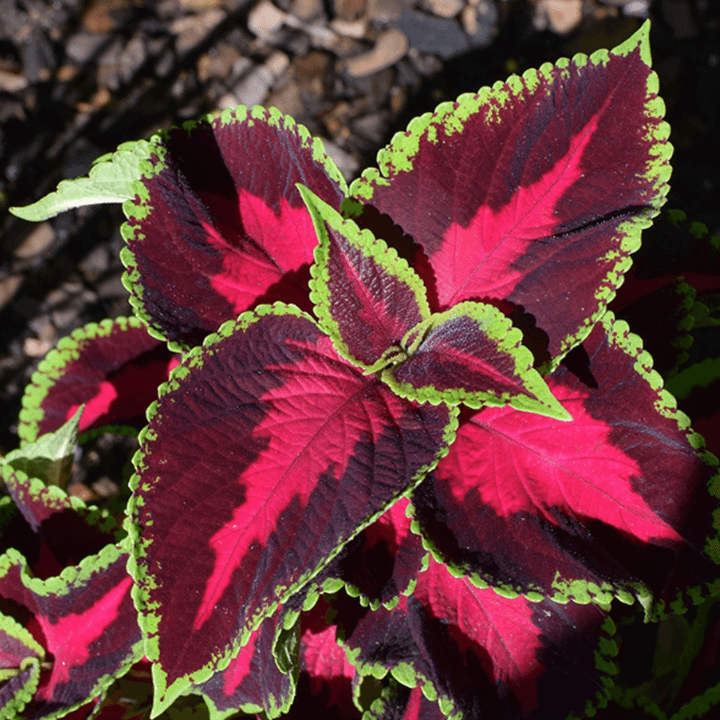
[{"x": 78, "y": 78}]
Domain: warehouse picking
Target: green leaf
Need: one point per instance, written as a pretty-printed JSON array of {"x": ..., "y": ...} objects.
[
  {"x": 50, "y": 457},
  {"x": 111, "y": 180}
]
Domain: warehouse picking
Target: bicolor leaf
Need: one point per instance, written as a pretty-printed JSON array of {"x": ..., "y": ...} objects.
[
  {"x": 472, "y": 355},
  {"x": 534, "y": 191},
  {"x": 280, "y": 452},
  {"x": 113, "y": 368},
  {"x": 88, "y": 623},
  {"x": 366, "y": 297},
  {"x": 220, "y": 226},
  {"x": 112, "y": 179},
  {"x": 398, "y": 702},
  {"x": 614, "y": 503},
  {"x": 325, "y": 683},
  {"x": 482, "y": 655}
]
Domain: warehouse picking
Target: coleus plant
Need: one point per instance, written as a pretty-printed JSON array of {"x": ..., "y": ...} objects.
[{"x": 403, "y": 457}]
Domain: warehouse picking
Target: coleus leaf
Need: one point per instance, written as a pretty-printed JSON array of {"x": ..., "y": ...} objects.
[
  {"x": 697, "y": 388},
  {"x": 614, "y": 503},
  {"x": 252, "y": 682},
  {"x": 113, "y": 367},
  {"x": 535, "y": 191},
  {"x": 20, "y": 657},
  {"x": 50, "y": 456},
  {"x": 64, "y": 529},
  {"x": 112, "y": 179},
  {"x": 325, "y": 681},
  {"x": 663, "y": 319},
  {"x": 219, "y": 226},
  {"x": 472, "y": 354},
  {"x": 366, "y": 297},
  {"x": 482, "y": 655},
  {"x": 281, "y": 452},
  {"x": 88, "y": 626},
  {"x": 398, "y": 702},
  {"x": 374, "y": 307}
]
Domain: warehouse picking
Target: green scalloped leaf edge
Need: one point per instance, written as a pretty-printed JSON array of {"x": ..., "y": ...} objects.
[
  {"x": 52, "y": 367},
  {"x": 69, "y": 577},
  {"x": 582, "y": 591},
  {"x": 371, "y": 247},
  {"x": 365, "y": 601},
  {"x": 149, "y": 623},
  {"x": 62, "y": 584},
  {"x": 110, "y": 180},
  {"x": 671, "y": 667},
  {"x": 700, "y": 705},
  {"x": 683, "y": 340},
  {"x": 355, "y": 592},
  {"x": 508, "y": 339},
  {"x": 396, "y": 156},
  {"x": 138, "y": 206},
  {"x": 285, "y": 652},
  {"x": 13, "y": 707},
  {"x": 619, "y": 334}
]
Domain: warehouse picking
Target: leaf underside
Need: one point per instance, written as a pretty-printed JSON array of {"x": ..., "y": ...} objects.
[{"x": 111, "y": 180}]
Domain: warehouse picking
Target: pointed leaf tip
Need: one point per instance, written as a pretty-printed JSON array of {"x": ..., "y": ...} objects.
[
  {"x": 470, "y": 354},
  {"x": 366, "y": 297}
]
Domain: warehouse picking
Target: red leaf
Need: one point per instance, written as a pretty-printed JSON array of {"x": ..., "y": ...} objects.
[
  {"x": 534, "y": 191},
  {"x": 531, "y": 503},
  {"x": 384, "y": 560},
  {"x": 89, "y": 626},
  {"x": 483, "y": 654},
  {"x": 280, "y": 451},
  {"x": 113, "y": 368},
  {"x": 223, "y": 227},
  {"x": 252, "y": 681}
]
